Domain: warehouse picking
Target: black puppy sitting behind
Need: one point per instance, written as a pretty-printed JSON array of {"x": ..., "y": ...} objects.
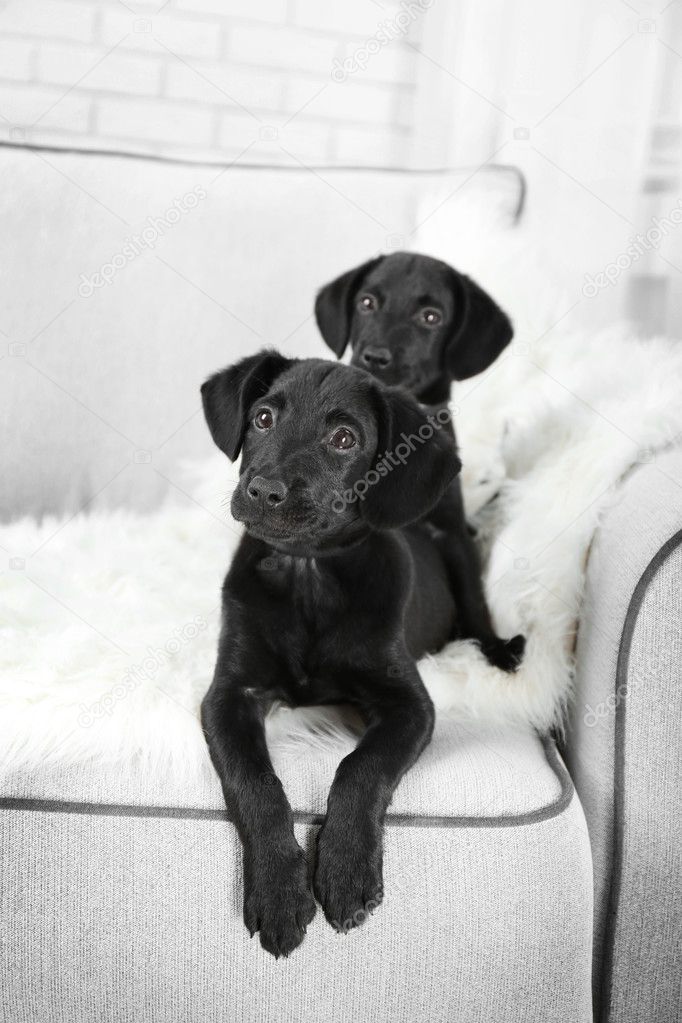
[
  {"x": 416, "y": 322},
  {"x": 323, "y": 604}
]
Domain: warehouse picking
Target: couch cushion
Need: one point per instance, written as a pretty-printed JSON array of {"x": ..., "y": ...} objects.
[
  {"x": 119, "y": 913},
  {"x": 197, "y": 265},
  {"x": 471, "y": 773}
]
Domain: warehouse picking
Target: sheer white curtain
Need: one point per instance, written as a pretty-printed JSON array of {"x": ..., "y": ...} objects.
[{"x": 585, "y": 99}]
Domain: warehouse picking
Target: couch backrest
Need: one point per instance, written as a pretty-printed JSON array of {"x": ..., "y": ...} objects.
[{"x": 124, "y": 282}]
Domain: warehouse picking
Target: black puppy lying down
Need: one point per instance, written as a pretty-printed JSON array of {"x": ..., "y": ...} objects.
[
  {"x": 328, "y": 600},
  {"x": 415, "y": 321}
]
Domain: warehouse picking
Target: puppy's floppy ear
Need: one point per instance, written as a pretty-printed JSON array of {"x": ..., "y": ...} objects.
[
  {"x": 228, "y": 395},
  {"x": 334, "y": 305},
  {"x": 416, "y": 460},
  {"x": 481, "y": 333}
]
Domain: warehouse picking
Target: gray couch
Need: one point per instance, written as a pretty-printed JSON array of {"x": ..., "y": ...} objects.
[{"x": 523, "y": 881}]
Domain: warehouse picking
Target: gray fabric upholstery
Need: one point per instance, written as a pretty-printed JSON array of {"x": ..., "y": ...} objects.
[
  {"x": 646, "y": 514},
  {"x": 132, "y": 913},
  {"x": 644, "y": 970},
  {"x": 117, "y": 918}
]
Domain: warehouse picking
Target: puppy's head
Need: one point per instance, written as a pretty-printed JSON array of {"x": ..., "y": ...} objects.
[
  {"x": 412, "y": 320},
  {"x": 327, "y": 453}
]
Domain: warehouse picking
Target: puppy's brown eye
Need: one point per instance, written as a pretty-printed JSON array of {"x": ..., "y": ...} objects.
[
  {"x": 264, "y": 419},
  {"x": 431, "y": 317},
  {"x": 343, "y": 439},
  {"x": 367, "y": 303}
]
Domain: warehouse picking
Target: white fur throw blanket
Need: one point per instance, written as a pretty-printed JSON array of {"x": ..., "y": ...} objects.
[{"x": 108, "y": 635}]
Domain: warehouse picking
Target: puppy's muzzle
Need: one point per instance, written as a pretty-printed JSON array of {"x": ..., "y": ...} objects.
[
  {"x": 374, "y": 359},
  {"x": 267, "y": 494}
]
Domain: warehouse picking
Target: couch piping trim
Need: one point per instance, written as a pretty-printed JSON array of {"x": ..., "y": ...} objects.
[
  {"x": 543, "y": 813},
  {"x": 622, "y": 671},
  {"x": 131, "y": 154}
]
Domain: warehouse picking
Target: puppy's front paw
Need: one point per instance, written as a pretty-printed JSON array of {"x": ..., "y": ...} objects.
[
  {"x": 506, "y": 654},
  {"x": 348, "y": 880},
  {"x": 278, "y": 903}
]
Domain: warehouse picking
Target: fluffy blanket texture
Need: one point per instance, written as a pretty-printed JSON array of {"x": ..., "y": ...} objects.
[{"x": 109, "y": 630}]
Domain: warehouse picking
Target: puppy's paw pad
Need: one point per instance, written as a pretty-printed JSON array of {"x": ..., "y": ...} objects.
[
  {"x": 348, "y": 884},
  {"x": 347, "y": 903},
  {"x": 506, "y": 654},
  {"x": 280, "y": 908}
]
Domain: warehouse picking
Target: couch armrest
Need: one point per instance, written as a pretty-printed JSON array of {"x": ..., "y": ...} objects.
[{"x": 624, "y": 741}]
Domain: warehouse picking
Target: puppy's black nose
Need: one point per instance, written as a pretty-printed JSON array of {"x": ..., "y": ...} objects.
[
  {"x": 376, "y": 358},
  {"x": 270, "y": 492}
]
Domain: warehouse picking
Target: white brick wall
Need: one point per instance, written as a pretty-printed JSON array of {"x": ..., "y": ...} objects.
[{"x": 211, "y": 78}]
